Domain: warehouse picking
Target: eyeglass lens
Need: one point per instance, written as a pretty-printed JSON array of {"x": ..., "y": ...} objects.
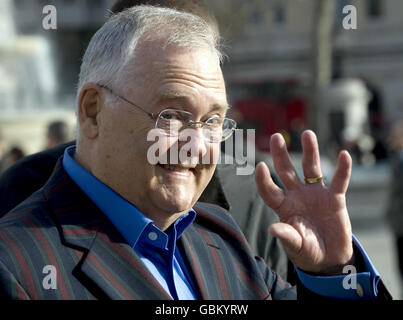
[{"x": 215, "y": 129}]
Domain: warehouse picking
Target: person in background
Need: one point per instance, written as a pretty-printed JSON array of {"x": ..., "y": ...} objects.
[
  {"x": 395, "y": 208},
  {"x": 12, "y": 156},
  {"x": 2, "y": 143},
  {"x": 57, "y": 134}
]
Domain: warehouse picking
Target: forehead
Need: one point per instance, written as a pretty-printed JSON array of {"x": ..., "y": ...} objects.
[
  {"x": 179, "y": 73},
  {"x": 148, "y": 52}
]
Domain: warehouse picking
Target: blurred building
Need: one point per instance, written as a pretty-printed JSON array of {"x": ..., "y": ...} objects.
[
  {"x": 269, "y": 43},
  {"x": 39, "y": 68},
  {"x": 269, "y": 70},
  {"x": 77, "y": 21},
  {"x": 268, "y": 40},
  {"x": 271, "y": 40}
]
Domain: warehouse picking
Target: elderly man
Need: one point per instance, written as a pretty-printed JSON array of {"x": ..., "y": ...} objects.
[
  {"x": 238, "y": 194},
  {"x": 112, "y": 223}
]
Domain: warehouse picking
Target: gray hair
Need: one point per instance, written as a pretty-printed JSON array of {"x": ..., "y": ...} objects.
[{"x": 113, "y": 46}]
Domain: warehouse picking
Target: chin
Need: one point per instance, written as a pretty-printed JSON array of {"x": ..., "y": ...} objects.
[
  {"x": 177, "y": 206},
  {"x": 175, "y": 203}
]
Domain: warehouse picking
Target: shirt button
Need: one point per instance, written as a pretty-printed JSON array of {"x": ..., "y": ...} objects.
[
  {"x": 152, "y": 236},
  {"x": 360, "y": 290}
]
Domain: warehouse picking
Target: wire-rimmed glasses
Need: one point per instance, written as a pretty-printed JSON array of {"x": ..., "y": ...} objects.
[{"x": 172, "y": 122}]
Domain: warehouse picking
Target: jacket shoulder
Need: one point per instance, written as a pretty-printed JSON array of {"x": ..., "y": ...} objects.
[
  {"x": 31, "y": 208},
  {"x": 27, "y": 176},
  {"x": 218, "y": 220},
  {"x": 208, "y": 211}
]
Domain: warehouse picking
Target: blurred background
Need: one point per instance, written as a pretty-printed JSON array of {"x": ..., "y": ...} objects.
[{"x": 291, "y": 65}]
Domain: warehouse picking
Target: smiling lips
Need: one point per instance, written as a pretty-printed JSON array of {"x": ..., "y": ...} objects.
[{"x": 178, "y": 169}]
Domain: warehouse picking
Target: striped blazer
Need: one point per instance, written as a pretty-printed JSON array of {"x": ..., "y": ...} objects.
[{"x": 60, "y": 227}]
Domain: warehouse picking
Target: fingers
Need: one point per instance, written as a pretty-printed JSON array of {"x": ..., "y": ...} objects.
[
  {"x": 342, "y": 174},
  {"x": 272, "y": 195},
  {"x": 310, "y": 157},
  {"x": 282, "y": 162}
]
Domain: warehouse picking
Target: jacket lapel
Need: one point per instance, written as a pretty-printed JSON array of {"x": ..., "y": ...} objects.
[
  {"x": 190, "y": 249},
  {"x": 204, "y": 261},
  {"x": 113, "y": 266},
  {"x": 105, "y": 264},
  {"x": 220, "y": 271}
]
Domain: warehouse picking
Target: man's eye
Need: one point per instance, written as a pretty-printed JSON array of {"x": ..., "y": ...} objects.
[
  {"x": 216, "y": 120},
  {"x": 170, "y": 116},
  {"x": 166, "y": 116}
]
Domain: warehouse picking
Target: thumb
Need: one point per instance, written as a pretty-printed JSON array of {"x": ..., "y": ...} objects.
[{"x": 289, "y": 237}]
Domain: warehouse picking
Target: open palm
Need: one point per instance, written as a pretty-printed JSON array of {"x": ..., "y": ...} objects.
[{"x": 315, "y": 227}]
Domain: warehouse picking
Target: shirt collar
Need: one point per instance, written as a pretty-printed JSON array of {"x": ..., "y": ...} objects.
[{"x": 127, "y": 219}]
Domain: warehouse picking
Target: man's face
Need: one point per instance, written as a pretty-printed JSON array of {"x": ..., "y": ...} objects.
[{"x": 176, "y": 78}]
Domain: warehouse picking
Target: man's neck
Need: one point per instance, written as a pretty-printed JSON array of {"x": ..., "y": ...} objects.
[{"x": 162, "y": 219}]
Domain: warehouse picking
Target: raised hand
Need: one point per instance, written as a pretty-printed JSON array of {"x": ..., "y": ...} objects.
[{"x": 315, "y": 228}]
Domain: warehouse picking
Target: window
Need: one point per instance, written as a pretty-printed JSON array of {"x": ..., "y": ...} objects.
[
  {"x": 375, "y": 8},
  {"x": 256, "y": 19},
  {"x": 279, "y": 12}
]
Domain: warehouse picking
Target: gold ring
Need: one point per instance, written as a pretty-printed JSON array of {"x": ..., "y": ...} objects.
[{"x": 313, "y": 180}]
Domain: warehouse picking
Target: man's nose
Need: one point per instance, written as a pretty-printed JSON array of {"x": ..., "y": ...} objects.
[{"x": 192, "y": 145}]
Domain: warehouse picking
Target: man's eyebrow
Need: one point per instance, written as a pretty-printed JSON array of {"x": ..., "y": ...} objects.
[
  {"x": 174, "y": 95},
  {"x": 224, "y": 107}
]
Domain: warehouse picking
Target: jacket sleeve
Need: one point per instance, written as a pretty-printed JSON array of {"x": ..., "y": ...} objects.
[
  {"x": 394, "y": 211},
  {"x": 281, "y": 290},
  {"x": 278, "y": 288}
]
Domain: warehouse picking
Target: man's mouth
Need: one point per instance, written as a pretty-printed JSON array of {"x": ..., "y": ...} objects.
[{"x": 178, "y": 168}]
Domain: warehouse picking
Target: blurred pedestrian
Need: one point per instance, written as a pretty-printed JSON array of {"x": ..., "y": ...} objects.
[
  {"x": 395, "y": 209},
  {"x": 2, "y": 144},
  {"x": 57, "y": 134},
  {"x": 11, "y": 157}
]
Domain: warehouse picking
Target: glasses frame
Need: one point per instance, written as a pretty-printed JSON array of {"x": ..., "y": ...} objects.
[{"x": 155, "y": 117}]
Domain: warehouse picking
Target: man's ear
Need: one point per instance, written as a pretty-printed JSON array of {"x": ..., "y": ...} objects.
[{"x": 90, "y": 103}]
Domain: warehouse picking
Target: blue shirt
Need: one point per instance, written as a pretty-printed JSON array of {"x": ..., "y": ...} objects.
[
  {"x": 155, "y": 248},
  {"x": 158, "y": 252}
]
